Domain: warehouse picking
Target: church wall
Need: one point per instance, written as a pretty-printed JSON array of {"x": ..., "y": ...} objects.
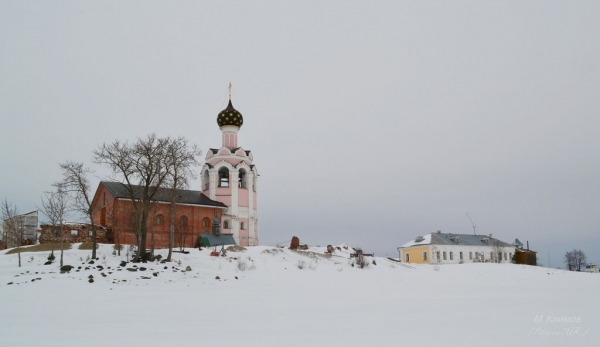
[
  {"x": 118, "y": 217},
  {"x": 244, "y": 234},
  {"x": 103, "y": 207},
  {"x": 243, "y": 197},
  {"x": 226, "y": 199}
]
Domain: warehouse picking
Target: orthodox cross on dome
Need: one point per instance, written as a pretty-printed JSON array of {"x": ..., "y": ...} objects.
[{"x": 229, "y": 90}]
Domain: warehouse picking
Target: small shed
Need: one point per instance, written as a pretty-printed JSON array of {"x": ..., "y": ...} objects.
[{"x": 526, "y": 256}]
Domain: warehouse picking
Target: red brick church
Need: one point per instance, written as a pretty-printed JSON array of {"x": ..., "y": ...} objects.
[{"x": 194, "y": 216}]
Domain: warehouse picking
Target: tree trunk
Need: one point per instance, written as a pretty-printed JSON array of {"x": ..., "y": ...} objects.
[
  {"x": 20, "y": 239},
  {"x": 152, "y": 240},
  {"x": 61, "y": 251},
  {"x": 94, "y": 244},
  {"x": 143, "y": 236},
  {"x": 171, "y": 232},
  {"x": 117, "y": 237}
]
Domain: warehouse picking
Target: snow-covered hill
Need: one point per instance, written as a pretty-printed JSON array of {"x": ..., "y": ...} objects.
[{"x": 266, "y": 296}]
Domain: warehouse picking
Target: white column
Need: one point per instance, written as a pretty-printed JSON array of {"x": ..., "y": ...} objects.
[
  {"x": 212, "y": 185},
  {"x": 250, "y": 186},
  {"x": 233, "y": 183},
  {"x": 255, "y": 210}
]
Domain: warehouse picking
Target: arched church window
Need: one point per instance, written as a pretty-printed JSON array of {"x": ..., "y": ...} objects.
[
  {"x": 183, "y": 221},
  {"x": 223, "y": 177},
  {"x": 242, "y": 225},
  {"x": 242, "y": 180},
  {"x": 159, "y": 219},
  {"x": 205, "y": 223},
  {"x": 226, "y": 224}
]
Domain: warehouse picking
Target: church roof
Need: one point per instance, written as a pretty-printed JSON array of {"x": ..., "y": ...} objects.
[
  {"x": 230, "y": 116},
  {"x": 215, "y": 150},
  {"x": 192, "y": 197}
]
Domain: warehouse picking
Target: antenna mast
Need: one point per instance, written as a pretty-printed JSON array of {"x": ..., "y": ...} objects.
[{"x": 474, "y": 233}]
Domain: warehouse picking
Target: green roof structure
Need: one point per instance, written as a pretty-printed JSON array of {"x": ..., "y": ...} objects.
[{"x": 210, "y": 240}]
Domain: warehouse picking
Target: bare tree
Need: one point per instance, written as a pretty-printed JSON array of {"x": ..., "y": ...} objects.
[
  {"x": 497, "y": 250},
  {"x": 13, "y": 232},
  {"x": 142, "y": 168},
  {"x": 54, "y": 206},
  {"x": 181, "y": 158},
  {"x": 75, "y": 181},
  {"x": 575, "y": 260}
]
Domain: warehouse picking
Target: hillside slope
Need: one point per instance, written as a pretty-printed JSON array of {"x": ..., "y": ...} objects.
[{"x": 266, "y": 296}]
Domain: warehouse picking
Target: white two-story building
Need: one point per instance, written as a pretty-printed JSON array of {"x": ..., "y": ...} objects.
[{"x": 447, "y": 248}]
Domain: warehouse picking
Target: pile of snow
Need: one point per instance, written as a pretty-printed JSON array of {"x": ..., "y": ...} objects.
[{"x": 268, "y": 296}]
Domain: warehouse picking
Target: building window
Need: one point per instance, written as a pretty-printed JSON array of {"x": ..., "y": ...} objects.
[
  {"x": 437, "y": 255},
  {"x": 460, "y": 256},
  {"x": 451, "y": 255},
  {"x": 510, "y": 256},
  {"x": 226, "y": 224},
  {"x": 470, "y": 255},
  {"x": 205, "y": 223},
  {"x": 505, "y": 258},
  {"x": 73, "y": 232},
  {"x": 444, "y": 255},
  {"x": 408, "y": 258},
  {"x": 183, "y": 221},
  {"x": 424, "y": 256},
  {"x": 159, "y": 219},
  {"x": 242, "y": 225},
  {"x": 223, "y": 177}
]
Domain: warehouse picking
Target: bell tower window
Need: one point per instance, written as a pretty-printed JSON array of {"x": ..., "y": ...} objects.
[
  {"x": 223, "y": 177},
  {"x": 242, "y": 180}
]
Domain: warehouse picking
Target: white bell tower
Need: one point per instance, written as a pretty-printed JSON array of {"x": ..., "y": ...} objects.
[{"x": 229, "y": 176}]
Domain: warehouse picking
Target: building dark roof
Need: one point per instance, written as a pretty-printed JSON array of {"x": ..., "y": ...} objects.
[
  {"x": 230, "y": 116},
  {"x": 192, "y": 197}
]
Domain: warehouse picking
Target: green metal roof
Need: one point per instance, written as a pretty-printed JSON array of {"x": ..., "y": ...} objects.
[{"x": 210, "y": 240}]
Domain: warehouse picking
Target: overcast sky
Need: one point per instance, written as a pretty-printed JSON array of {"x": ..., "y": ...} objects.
[{"x": 371, "y": 122}]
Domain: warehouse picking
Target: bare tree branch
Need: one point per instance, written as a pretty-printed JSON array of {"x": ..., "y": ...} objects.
[
  {"x": 75, "y": 181},
  {"x": 143, "y": 169},
  {"x": 12, "y": 231},
  {"x": 54, "y": 206}
]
